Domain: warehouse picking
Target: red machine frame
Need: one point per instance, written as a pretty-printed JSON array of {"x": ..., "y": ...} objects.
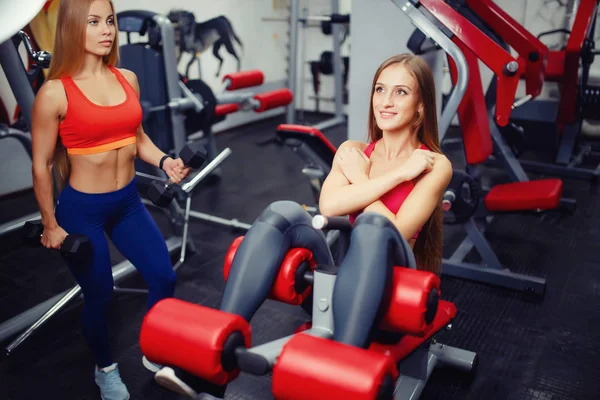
[
  {"x": 561, "y": 66},
  {"x": 502, "y": 63}
]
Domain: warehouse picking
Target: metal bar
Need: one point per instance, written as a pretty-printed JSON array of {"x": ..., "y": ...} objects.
[
  {"x": 49, "y": 314},
  {"x": 568, "y": 141},
  {"x": 463, "y": 360},
  {"x": 18, "y": 223},
  {"x": 292, "y": 67},
  {"x": 338, "y": 80},
  {"x": 522, "y": 101},
  {"x": 501, "y": 278},
  {"x": 504, "y": 153},
  {"x": 186, "y": 224},
  {"x": 189, "y": 186},
  {"x": 211, "y": 218},
  {"x": 489, "y": 258},
  {"x": 561, "y": 170},
  {"x": 191, "y": 96},
  {"x": 32, "y": 316},
  {"x": 13, "y": 68},
  {"x": 410, "y": 388},
  {"x": 172, "y": 78},
  {"x": 118, "y": 289},
  {"x": 151, "y": 177},
  {"x": 329, "y": 123},
  {"x": 233, "y": 97}
]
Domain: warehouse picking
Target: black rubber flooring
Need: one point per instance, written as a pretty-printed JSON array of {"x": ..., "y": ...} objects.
[{"x": 542, "y": 349}]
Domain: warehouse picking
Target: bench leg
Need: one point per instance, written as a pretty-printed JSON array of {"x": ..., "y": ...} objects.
[
  {"x": 490, "y": 271},
  {"x": 416, "y": 369}
]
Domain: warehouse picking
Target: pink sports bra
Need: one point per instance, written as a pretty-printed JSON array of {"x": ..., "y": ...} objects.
[{"x": 394, "y": 198}]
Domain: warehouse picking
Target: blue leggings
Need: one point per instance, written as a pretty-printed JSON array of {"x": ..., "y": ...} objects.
[{"x": 123, "y": 216}]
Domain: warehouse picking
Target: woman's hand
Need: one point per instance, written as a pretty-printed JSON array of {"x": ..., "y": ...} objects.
[
  {"x": 354, "y": 163},
  {"x": 175, "y": 169},
  {"x": 53, "y": 238},
  {"x": 421, "y": 161}
]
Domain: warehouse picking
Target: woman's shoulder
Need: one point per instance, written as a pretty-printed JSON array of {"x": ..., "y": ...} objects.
[
  {"x": 353, "y": 144},
  {"x": 130, "y": 77},
  {"x": 52, "y": 91}
]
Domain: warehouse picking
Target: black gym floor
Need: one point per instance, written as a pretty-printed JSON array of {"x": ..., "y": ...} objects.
[{"x": 528, "y": 349}]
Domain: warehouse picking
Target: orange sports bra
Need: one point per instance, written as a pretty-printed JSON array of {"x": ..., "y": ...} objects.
[
  {"x": 394, "y": 198},
  {"x": 89, "y": 128}
]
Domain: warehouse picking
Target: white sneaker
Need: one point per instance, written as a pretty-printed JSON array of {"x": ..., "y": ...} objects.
[
  {"x": 150, "y": 366},
  {"x": 166, "y": 377}
]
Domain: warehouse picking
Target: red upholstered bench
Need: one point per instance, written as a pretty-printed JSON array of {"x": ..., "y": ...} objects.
[
  {"x": 312, "y": 137},
  {"x": 541, "y": 194}
]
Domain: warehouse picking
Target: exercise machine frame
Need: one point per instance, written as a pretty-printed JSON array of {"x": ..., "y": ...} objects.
[
  {"x": 180, "y": 98},
  {"x": 295, "y": 20},
  {"x": 543, "y": 65},
  {"x": 414, "y": 369},
  {"x": 478, "y": 46}
]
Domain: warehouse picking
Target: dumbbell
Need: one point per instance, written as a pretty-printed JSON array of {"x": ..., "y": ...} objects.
[
  {"x": 193, "y": 155},
  {"x": 76, "y": 247}
]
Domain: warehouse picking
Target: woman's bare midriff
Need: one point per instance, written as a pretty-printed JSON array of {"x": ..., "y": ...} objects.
[{"x": 103, "y": 172}]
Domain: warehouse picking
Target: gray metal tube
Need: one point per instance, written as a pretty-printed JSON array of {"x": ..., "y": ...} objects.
[
  {"x": 188, "y": 187},
  {"x": 293, "y": 51},
  {"x": 337, "y": 63},
  {"x": 171, "y": 75},
  {"x": 463, "y": 360},
  {"x": 36, "y": 314},
  {"x": 17, "y": 79}
]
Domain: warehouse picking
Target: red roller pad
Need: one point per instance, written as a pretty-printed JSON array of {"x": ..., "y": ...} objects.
[
  {"x": 283, "y": 288},
  {"x": 405, "y": 312},
  {"x": 224, "y": 109},
  {"x": 313, "y": 368},
  {"x": 191, "y": 337},
  {"x": 543, "y": 194},
  {"x": 273, "y": 99},
  {"x": 445, "y": 313},
  {"x": 244, "y": 79},
  {"x": 229, "y": 256}
]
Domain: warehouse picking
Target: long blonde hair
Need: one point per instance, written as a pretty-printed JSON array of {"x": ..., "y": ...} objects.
[
  {"x": 67, "y": 58},
  {"x": 428, "y": 247}
]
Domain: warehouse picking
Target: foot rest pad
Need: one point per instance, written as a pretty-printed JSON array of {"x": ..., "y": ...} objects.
[
  {"x": 446, "y": 312},
  {"x": 310, "y": 367},
  {"x": 543, "y": 194}
]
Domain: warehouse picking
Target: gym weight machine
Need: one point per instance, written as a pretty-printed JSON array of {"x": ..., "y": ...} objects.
[
  {"x": 335, "y": 20},
  {"x": 560, "y": 120},
  {"x": 176, "y": 110},
  {"x": 447, "y": 29},
  {"x": 19, "y": 79},
  {"x": 328, "y": 359}
]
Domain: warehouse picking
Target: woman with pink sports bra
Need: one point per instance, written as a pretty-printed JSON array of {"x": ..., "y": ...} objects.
[
  {"x": 401, "y": 173},
  {"x": 86, "y": 126}
]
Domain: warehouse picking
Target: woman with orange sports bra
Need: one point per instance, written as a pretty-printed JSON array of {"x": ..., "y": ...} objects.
[
  {"x": 86, "y": 124},
  {"x": 401, "y": 173}
]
